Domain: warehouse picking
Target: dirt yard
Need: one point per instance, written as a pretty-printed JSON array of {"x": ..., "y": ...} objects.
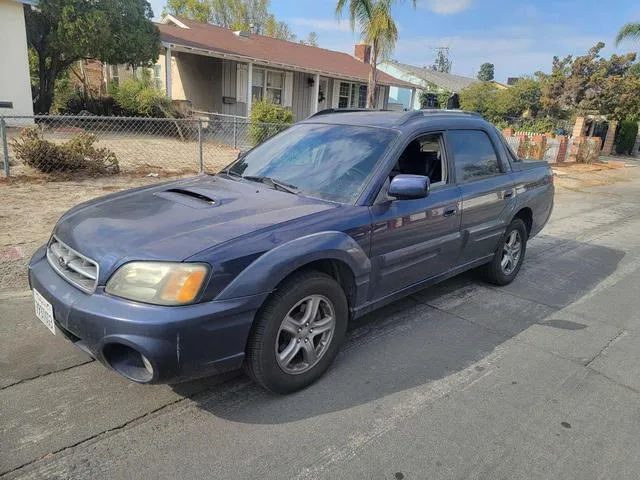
[
  {"x": 31, "y": 207},
  {"x": 145, "y": 153}
]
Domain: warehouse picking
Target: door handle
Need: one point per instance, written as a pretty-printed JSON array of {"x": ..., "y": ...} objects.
[
  {"x": 449, "y": 211},
  {"x": 507, "y": 194}
]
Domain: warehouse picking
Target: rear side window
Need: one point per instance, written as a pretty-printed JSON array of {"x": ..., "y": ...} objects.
[{"x": 473, "y": 155}]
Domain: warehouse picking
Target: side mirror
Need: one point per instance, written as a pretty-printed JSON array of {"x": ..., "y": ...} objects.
[{"x": 404, "y": 187}]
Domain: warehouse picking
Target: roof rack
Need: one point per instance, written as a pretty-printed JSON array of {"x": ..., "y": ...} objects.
[
  {"x": 435, "y": 111},
  {"x": 456, "y": 111},
  {"x": 346, "y": 110}
]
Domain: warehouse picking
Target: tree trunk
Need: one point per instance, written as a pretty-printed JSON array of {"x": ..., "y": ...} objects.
[{"x": 373, "y": 77}]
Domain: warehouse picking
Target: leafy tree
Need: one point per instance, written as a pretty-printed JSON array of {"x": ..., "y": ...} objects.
[
  {"x": 280, "y": 30},
  {"x": 250, "y": 15},
  {"x": 481, "y": 97},
  {"x": 377, "y": 28},
  {"x": 486, "y": 73},
  {"x": 61, "y": 32},
  {"x": 311, "y": 40},
  {"x": 442, "y": 62},
  {"x": 193, "y": 9},
  {"x": 626, "y": 137},
  {"x": 591, "y": 84},
  {"x": 629, "y": 31}
]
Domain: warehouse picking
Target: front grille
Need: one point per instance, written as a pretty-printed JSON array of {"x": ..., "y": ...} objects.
[{"x": 72, "y": 266}]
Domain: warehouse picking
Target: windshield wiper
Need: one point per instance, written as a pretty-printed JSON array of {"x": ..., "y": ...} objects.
[
  {"x": 231, "y": 173},
  {"x": 274, "y": 183}
]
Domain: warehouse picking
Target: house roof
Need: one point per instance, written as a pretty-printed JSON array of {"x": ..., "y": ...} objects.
[
  {"x": 447, "y": 81},
  {"x": 179, "y": 31}
]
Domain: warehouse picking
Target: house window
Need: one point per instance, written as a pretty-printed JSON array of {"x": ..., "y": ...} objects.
[
  {"x": 114, "y": 74},
  {"x": 274, "y": 87},
  {"x": 267, "y": 84},
  {"x": 343, "y": 98},
  {"x": 257, "y": 84},
  {"x": 157, "y": 76},
  {"x": 362, "y": 96},
  {"x": 352, "y": 95}
]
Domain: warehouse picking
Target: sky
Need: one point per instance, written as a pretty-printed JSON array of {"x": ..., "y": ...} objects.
[{"x": 518, "y": 37}]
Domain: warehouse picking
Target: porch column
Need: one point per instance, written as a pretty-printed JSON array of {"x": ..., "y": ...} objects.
[
  {"x": 167, "y": 71},
  {"x": 249, "y": 84},
  {"x": 607, "y": 147},
  {"x": 413, "y": 99},
  {"x": 316, "y": 92}
]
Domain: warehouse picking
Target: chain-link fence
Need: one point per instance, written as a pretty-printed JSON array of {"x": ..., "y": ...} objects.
[{"x": 66, "y": 145}]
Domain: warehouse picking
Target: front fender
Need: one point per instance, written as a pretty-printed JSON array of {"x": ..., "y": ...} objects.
[{"x": 267, "y": 271}]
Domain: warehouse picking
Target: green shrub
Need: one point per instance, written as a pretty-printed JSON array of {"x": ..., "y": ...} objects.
[
  {"x": 76, "y": 155},
  {"x": 139, "y": 98},
  {"x": 626, "y": 137},
  {"x": 267, "y": 119},
  {"x": 78, "y": 103}
]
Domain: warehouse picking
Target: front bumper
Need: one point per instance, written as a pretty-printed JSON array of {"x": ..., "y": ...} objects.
[{"x": 180, "y": 342}]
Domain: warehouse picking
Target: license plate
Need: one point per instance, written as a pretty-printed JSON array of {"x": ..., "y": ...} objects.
[{"x": 44, "y": 311}]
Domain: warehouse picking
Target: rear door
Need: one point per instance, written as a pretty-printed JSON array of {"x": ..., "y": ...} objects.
[{"x": 486, "y": 187}]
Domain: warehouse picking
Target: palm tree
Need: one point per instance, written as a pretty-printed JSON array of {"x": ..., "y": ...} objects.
[
  {"x": 377, "y": 28},
  {"x": 630, "y": 30}
]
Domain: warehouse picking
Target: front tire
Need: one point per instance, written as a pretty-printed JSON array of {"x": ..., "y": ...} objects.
[
  {"x": 509, "y": 255},
  {"x": 297, "y": 332}
]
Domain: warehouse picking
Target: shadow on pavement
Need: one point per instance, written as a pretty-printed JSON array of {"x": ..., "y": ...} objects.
[{"x": 428, "y": 336}]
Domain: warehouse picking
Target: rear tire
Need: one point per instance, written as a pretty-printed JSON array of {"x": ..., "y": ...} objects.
[
  {"x": 297, "y": 333},
  {"x": 509, "y": 255}
]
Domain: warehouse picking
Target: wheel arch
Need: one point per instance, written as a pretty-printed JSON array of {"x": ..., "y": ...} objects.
[
  {"x": 333, "y": 253},
  {"x": 526, "y": 215}
]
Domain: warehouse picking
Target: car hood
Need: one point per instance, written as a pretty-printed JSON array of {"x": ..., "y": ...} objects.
[{"x": 176, "y": 220}]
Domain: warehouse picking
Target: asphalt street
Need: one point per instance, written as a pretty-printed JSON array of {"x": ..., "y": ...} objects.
[{"x": 539, "y": 379}]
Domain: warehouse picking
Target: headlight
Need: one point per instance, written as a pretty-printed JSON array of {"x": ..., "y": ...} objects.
[{"x": 159, "y": 283}]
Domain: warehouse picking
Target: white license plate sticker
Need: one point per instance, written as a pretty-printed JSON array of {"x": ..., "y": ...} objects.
[{"x": 44, "y": 311}]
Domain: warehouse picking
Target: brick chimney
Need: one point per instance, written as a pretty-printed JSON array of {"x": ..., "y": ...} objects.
[{"x": 363, "y": 52}]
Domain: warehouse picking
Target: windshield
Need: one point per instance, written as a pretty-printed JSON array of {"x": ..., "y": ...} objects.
[{"x": 332, "y": 162}]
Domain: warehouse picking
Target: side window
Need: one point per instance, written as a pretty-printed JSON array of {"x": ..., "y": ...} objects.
[
  {"x": 473, "y": 155},
  {"x": 423, "y": 156}
]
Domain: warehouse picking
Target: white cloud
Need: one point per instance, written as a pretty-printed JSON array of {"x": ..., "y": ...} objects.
[
  {"x": 446, "y": 7},
  {"x": 322, "y": 24}
]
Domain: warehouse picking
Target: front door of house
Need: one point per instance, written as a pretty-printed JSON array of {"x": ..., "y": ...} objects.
[{"x": 323, "y": 101}]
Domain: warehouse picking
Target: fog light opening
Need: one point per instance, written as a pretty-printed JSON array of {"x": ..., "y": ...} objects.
[{"x": 129, "y": 362}]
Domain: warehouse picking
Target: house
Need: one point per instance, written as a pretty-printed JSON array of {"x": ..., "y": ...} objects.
[
  {"x": 433, "y": 83},
  {"x": 218, "y": 70},
  {"x": 15, "y": 83}
]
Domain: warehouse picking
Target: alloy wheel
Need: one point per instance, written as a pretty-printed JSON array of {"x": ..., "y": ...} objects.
[
  {"x": 305, "y": 334},
  {"x": 511, "y": 252}
]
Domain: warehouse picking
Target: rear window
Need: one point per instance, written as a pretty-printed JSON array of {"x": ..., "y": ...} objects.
[
  {"x": 511, "y": 155},
  {"x": 474, "y": 155}
]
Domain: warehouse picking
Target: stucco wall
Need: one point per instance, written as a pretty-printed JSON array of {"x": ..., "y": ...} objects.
[{"x": 15, "y": 85}]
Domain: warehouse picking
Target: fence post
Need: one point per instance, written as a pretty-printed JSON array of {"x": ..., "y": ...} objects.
[
  {"x": 5, "y": 146},
  {"x": 235, "y": 142},
  {"x": 200, "y": 159}
]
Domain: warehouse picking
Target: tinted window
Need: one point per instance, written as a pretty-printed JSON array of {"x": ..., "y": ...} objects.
[
  {"x": 332, "y": 162},
  {"x": 473, "y": 154}
]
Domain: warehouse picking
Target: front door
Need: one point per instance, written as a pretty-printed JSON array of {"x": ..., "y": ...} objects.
[
  {"x": 322, "y": 94},
  {"x": 413, "y": 240}
]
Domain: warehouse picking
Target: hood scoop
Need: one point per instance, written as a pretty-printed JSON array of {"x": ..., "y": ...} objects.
[{"x": 190, "y": 197}]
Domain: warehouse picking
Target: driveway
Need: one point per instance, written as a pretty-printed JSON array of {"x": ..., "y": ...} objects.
[{"x": 539, "y": 379}]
